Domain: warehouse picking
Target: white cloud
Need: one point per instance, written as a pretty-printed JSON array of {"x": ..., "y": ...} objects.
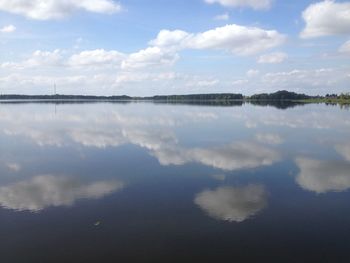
[
  {"x": 273, "y": 58},
  {"x": 223, "y": 17},
  {"x": 237, "y": 39},
  {"x": 57, "y": 9},
  {"x": 323, "y": 77},
  {"x": 44, "y": 191},
  {"x": 326, "y": 18},
  {"x": 8, "y": 29},
  {"x": 113, "y": 68},
  {"x": 97, "y": 57},
  {"x": 233, "y": 204},
  {"x": 150, "y": 57},
  {"x": 345, "y": 48},
  {"x": 255, "y": 4},
  {"x": 170, "y": 39},
  {"x": 38, "y": 58},
  {"x": 87, "y": 59},
  {"x": 69, "y": 83},
  {"x": 323, "y": 176}
]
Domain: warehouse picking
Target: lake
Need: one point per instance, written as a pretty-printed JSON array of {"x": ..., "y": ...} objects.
[{"x": 144, "y": 182}]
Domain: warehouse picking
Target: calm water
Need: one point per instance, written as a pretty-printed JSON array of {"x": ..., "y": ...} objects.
[{"x": 144, "y": 182}]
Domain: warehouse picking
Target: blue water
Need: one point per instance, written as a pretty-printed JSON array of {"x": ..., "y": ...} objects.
[{"x": 143, "y": 182}]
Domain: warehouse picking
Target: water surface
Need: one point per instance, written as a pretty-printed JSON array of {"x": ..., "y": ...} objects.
[{"x": 143, "y": 182}]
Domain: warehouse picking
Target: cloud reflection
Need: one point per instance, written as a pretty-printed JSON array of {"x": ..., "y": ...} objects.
[
  {"x": 44, "y": 191},
  {"x": 269, "y": 138},
  {"x": 236, "y": 156},
  {"x": 95, "y": 137},
  {"x": 14, "y": 167},
  {"x": 156, "y": 134},
  {"x": 233, "y": 204},
  {"x": 232, "y": 157},
  {"x": 323, "y": 176}
]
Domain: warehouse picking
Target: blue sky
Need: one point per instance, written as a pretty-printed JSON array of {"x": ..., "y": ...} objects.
[{"x": 174, "y": 47}]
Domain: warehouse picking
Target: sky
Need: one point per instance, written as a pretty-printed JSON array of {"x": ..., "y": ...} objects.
[{"x": 144, "y": 47}]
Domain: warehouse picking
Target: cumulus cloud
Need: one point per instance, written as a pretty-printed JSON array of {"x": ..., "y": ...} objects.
[
  {"x": 326, "y": 18},
  {"x": 8, "y": 29},
  {"x": 150, "y": 57},
  {"x": 38, "y": 58},
  {"x": 57, "y": 9},
  {"x": 323, "y": 176},
  {"x": 233, "y": 204},
  {"x": 322, "y": 77},
  {"x": 237, "y": 39},
  {"x": 345, "y": 48},
  {"x": 97, "y": 57},
  {"x": 162, "y": 52},
  {"x": 20, "y": 83},
  {"x": 173, "y": 40},
  {"x": 44, "y": 191},
  {"x": 255, "y": 4},
  {"x": 273, "y": 58}
]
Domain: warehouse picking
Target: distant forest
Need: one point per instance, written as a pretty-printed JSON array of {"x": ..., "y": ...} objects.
[{"x": 282, "y": 95}]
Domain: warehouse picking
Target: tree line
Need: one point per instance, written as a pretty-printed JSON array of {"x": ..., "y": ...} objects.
[{"x": 282, "y": 95}]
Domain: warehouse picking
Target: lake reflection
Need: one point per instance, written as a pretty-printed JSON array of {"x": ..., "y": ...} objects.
[
  {"x": 173, "y": 183},
  {"x": 47, "y": 190},
  {"x": 232, "y": 204}
]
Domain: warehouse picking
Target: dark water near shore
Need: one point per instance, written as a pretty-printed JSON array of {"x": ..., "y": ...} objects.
[{"x": 145, "y": 182}]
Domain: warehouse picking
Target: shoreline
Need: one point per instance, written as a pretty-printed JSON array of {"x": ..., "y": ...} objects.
[{"x": 281, "y": 97}]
